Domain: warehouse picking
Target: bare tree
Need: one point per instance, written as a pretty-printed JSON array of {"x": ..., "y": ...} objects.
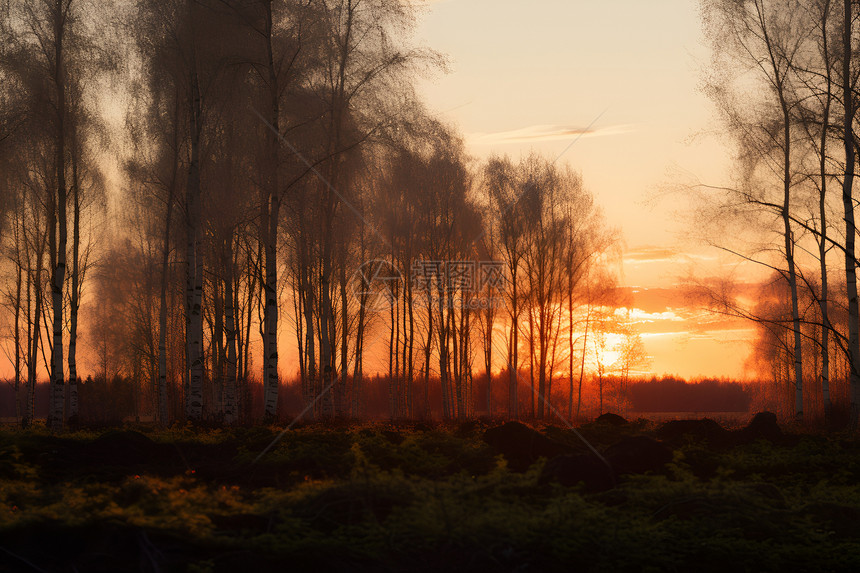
[
  {"x": 499, "y": 178},
  {"x": 849, "y": 100},
  {"x": 769, "y": 38}
]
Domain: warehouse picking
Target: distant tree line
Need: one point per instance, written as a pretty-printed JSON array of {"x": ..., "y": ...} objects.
[{"x": 670, "y": 394}]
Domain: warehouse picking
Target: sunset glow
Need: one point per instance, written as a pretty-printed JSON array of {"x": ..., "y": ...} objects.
[
  {"x": 197, "y": 216},
  {"x": 429, "y": 285},
  {"x": 576, "y": 55}
]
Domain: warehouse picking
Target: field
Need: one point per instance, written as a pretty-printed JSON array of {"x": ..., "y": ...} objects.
[{"x": 480, "y": 496}]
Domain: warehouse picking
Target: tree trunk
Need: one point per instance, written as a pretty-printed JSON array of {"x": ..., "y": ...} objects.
[
  {"x": 75, "y": 287},
  {"x": 272, "y": 210},
  {"x": 161, "y": 391},
  {"x": 822, "y": 242},
  {"x": 513, "y": 365},
  {"x": 216, "y": 341},
  {"x": 850, "y": 228},
  {"x": 457, "y": 368},
  {"x": 359, "y": 339},
  {"x": 532, "y": 359},
  {"x": 229, "y": 404},
  {"x": 310, "y": 337},
  {"x": 340, "y": 405},
  {"x": 408, "y": 360},
  {"x": 543, "y": 389},
  {"x": 392, "y": 390},
  {"x": 428, "y": 350},
  {"x": 19, "y": 279},
  {"x": 58, "y": 398},
  {"x": 194, "y": 269},
  {"x": 326, "y": 319},
  {"x": 792, "y": 273},
  {"x": 34, "y": 329},
  {"x": 443, "y": 351},
  {"x": 582, "y": 363},
  {"x": 488, "y": 351}
]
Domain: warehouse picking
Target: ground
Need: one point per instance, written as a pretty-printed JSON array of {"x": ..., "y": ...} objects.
[{"x": 478, "y": 496}]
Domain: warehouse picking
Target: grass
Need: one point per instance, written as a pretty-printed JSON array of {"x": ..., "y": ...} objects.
[{"x": 385, "y": 498}]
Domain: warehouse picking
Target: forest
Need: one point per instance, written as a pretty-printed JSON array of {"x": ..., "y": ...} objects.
[
  {"x": 221, "y": 200},
  {"x": 260, "y": 304},
  {"x": 257, "y": 190},
  {"x": 235, "y": 179}
]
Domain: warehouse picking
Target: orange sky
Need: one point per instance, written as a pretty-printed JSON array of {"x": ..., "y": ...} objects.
[{"x": 535, "y": 75}]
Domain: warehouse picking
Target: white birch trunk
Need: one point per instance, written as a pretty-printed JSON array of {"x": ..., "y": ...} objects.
[
  {"x": 75, "y": 286},
  {"x": 194, "y": 269},
  {"x": 272, "y": 211},
  {"x": 194, "y": 335},
  {"x": 271, "y": 330},
  {"x": 788, "y": 237},
  {"x": 58, "y": 398}
]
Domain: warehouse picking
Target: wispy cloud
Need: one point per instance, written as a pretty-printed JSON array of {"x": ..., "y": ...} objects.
[
  {"x": 640, "y": 316},
  {"x": 647, "y": 255},
  {"x": 650, "y": 255},
  {"x": 727, "y": 335},
  {"x": 537, "y": 133},
  {"x": 665, "y": 311}
]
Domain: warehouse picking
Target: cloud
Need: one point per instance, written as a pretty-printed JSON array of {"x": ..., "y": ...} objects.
[
  {"x": 670, "y": 311},
  {"x": 638, "y": 315},
  {"x": 654, "y": 300},
  {"x": 648, "y": 254},
  {"x": 672, "y": 333},
  {"x": 536, "y": 133},
  {"x": 725, "y": 335}
]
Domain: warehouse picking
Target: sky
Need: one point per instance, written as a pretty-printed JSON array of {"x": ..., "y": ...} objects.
[{"x": 612, "y": 88}]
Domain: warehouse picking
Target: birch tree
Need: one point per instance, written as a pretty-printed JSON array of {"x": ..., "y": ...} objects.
[
  {"x": 849, "y": 78},
  {"x": 769, "y": 39},
  {"x": 42, "y": 34},
  {"x": 500, "y": 181}
]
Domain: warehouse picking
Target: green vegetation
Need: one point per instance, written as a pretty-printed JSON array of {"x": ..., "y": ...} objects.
[{"x": 416, "y": 498}]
